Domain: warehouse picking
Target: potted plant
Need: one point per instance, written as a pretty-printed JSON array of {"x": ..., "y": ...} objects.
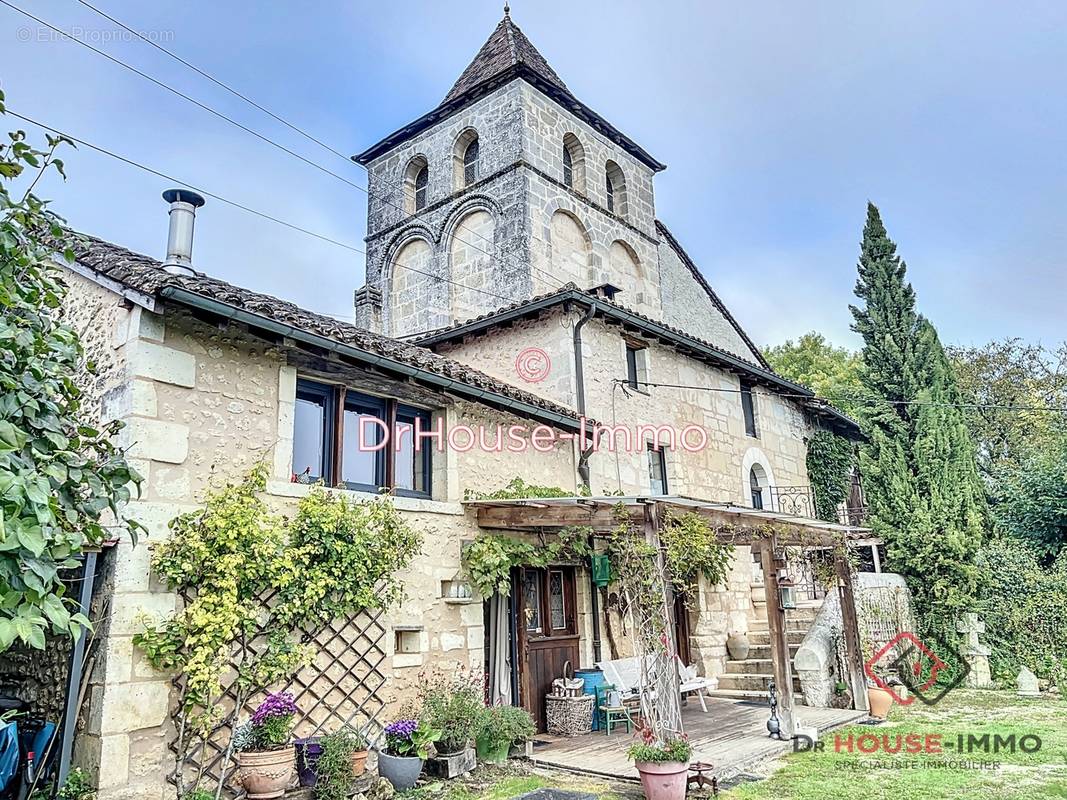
[
  {"x": 663, "y": 767},
  {"x": 266, "y": 757},
  {"x": 452, "y": 705},
  {"x": 499, "y": 727},
  {"x": 407, "y": 744},
  {"x": 878, "y": 699},
  {"x": 342, "y": 760}
]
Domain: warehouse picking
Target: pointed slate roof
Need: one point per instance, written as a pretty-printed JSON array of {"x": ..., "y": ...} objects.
[
  {"x": 506, "y": 47},
  {"x": 508, "y": 55}
]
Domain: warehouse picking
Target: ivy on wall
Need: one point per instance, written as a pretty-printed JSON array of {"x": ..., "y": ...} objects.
[{"x": 830, "y": 460}]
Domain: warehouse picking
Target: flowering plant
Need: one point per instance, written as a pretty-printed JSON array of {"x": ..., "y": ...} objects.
[
  {"x": 408, "y": 737},
  {"x": 270, "y": 726}
]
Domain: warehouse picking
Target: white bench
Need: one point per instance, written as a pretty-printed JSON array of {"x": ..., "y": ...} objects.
[{"x": 625, "y": 675}]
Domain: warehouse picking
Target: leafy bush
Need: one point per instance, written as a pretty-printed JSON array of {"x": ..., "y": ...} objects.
[
  {"x": 1024, "y": 607},
  {"x": 452, "y": 705},
  {"x": 673, "y": 749},
  {"x": 77, "y": 787},
  {"x": 334, "y": 767},
  {"x": 498, "y": 725}
]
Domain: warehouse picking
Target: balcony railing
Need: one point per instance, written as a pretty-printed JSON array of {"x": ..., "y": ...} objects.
[{"x": 800, "y": 501}]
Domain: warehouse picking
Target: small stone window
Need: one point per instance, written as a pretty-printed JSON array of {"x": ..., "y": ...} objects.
[
  {"x": 748, "y": 408},
  {"x": 407, "y": 641},
  {"x": 466, "y": 160},
  {"x": 615, "y": 189},
  {"x": 657, "y": 469},
  {"x": 422, "y": 179},
  {"x": 573, "y": 163},
  {"x": 416, "y": 185},
  {"x": 637, "y": 366},
  {"x": 757, "y": 481}
]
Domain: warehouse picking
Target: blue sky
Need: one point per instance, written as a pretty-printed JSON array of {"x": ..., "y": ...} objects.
[{"x": 777, "y": 122}]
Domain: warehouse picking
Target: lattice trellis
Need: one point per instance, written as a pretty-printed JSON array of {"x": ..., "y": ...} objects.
[{"x": 341, "y": 686}]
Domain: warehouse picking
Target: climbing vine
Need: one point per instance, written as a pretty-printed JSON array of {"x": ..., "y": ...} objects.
[
  {"x": 335, "y": 557},
  {"x": 488, "y": 560},
  {"x": 518, "y": 489},
  {"x": 830, "y": 460},
  {"x": 693, "y": 548}
]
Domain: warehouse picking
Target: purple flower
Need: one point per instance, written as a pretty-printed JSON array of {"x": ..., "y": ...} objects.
[
  {"x": 401, "y": 729},
  {"x": 280, "y": 704}
]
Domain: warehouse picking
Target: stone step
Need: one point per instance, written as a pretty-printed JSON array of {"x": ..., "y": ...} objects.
[
  {"x": 761, "y": 626},
  {"x": 749, "y": 665},
  {"x": 752, "y": 682},
  {"x": 756, "y": 638},
  {"x": 763, "y": 651}
]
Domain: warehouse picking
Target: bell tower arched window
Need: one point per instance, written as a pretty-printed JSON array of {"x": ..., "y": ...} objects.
[
  {"x": 416, "y": 185},
  {"x": 573, "y": 163},
  {"x": 615, "y": 189},
  {"x": 422, "y": 180},
  {"x": 470, "y": 163},
  {"x": 568, "y": 167}
]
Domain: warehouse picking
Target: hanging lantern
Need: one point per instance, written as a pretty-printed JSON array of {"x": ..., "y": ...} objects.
[
  {"x": 601, "y": 570},
  {"x": 787, "y": 593}
]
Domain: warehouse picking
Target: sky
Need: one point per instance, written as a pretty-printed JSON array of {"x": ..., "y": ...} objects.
[{"x": 778, "y": 122}]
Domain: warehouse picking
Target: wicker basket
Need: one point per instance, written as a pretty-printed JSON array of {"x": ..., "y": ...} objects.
[{"x": 569, "y": 716}]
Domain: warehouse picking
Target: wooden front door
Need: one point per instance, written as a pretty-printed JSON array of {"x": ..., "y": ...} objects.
[{"x": 548, "y": 633}]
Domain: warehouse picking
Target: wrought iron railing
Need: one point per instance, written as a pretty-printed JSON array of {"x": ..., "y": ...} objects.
[{"x": 800, "y": 501}]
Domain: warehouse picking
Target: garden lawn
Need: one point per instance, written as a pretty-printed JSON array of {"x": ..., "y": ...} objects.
[{"x": 830, "y": 775}]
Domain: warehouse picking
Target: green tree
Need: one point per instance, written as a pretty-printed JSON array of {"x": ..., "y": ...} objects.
[
  {"x": 918, "y": 464},
  {"x": 1016, "y": 392},
  {"x": 59, "y": 475},
  {"x": 1030, "y": 500},
  {"x": 831, "y": 372}
]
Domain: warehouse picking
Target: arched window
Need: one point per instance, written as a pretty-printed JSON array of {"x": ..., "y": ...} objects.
[
  {"x": 422, "y": 178},
  {"x": 757, "y": 479},
  {"x": 615, "y": 188},
  {"x": 416, "y": 182},
  {"x": 470, "y": 163},
  {"x": 573, "y": 163}
]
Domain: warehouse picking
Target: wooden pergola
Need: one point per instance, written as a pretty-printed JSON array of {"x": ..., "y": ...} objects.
[{"x": 768, "y": 533}]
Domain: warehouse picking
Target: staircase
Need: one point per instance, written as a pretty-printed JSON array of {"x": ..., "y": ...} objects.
[{"x": 750, "y": 679}]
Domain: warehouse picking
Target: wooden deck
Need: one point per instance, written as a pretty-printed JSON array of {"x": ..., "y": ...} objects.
[{"x": 732, "y": 735}]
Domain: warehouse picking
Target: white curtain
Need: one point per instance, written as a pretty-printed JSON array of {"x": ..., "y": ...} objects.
[{"x": 499, "y": 652}]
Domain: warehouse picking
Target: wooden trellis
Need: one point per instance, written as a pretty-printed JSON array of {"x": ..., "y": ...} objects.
[{"x": 341, "y": 686}]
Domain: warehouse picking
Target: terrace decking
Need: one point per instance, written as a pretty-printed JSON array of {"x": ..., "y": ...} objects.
[{"x": 732, "y": 736}]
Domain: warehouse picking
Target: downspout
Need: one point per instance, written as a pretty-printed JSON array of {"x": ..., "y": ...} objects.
[{"x": 583, "y": 466}]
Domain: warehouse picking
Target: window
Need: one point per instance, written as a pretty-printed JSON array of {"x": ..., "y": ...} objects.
[
  {"x": 339, "y": 449},
  {"x": 657, "y": 469},
  {"x": 615, "y": 188},
  {"x": 470, "y": 163},
  {"x": 557, "y": 601},
  {"x": 755, "y": 482},
  {"x": 637, "y": 367},
  {"x": 416, "y": 183},
  {"x": 531, "y": 589},
  {"x": 748, "y": 406},
  {"x": 573, "y": 163},
  {"x": 422, "y": 178}
]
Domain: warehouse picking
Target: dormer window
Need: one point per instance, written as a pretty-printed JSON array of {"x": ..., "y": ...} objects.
[{"x": 422, "y": 180}]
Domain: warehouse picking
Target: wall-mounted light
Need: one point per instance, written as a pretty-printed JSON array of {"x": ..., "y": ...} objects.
[{"x": 787, "y": 593}]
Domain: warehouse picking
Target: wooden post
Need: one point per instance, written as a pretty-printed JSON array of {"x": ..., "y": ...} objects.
[
  {"x": 781, "y": 659},
  {"x": 851, "y": 632}
]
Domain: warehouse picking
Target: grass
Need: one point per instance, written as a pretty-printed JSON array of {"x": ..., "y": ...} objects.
[
  {"x": 505, "y": 782},
  {"x": 829, "y": 775}
]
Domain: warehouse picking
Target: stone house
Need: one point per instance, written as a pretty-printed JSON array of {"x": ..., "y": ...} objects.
[{"x": 517, "y": 275}]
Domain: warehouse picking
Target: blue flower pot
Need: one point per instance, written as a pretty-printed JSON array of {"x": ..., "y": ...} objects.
[{"x": 401, "y": 771}]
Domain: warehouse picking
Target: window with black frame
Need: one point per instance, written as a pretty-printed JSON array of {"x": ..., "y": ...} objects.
[
  {"x": 748, "y": 406},
  {"x": 339, "y": 439},
  {"x": 657, "y": 469}
]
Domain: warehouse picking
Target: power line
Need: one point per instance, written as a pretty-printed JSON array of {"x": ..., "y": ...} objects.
[
  {"x": 234, "y": 203},
  {"x": 857, "y": 398},
  {"x": 234, "y": 122}
]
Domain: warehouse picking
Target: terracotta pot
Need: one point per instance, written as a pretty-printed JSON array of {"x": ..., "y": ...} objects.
[
  {"x": 265, "y": 774},
  {"x": 359, "y": 763},
  {"x": 737, "y": 646},
  {"x": 663, "y": 780},
  {"x": 878, "y": 701}
]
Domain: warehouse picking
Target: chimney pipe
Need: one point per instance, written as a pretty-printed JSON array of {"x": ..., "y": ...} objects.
[{"x": 183, "y": 206}]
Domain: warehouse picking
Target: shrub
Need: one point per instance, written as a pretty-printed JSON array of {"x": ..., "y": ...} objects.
[
  {"x": 505, "y": 724},
  {"x": 334, "y": 767},
  {"x": 452, "y": 705}
]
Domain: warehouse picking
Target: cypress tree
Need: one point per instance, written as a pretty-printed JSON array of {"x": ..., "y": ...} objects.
[{"x": 918, "y": 465}]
